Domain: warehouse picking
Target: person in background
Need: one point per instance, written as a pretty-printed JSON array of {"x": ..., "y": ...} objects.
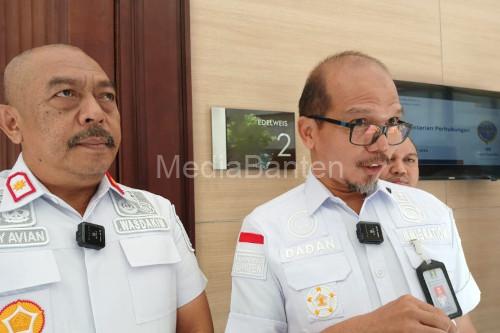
[
  {"x": 340, "y": 252},
  {"x": 403, "y": 165},
  {"x": 130, "y": 267}
]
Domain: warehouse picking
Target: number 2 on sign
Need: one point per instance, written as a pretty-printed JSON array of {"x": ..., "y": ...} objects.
[{"x": 288, "y": 140}]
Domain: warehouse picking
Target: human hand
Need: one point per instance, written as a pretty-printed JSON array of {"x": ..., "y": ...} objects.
[{"x": 408, "y": 314}]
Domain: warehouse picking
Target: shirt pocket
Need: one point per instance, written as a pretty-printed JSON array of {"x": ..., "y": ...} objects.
[
  {"x": 25, "y": 289},
  {"x": 319, "y": 288},
  {"x": 152, "y": 275}
]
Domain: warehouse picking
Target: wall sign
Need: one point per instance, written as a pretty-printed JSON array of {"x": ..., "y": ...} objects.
[{"x": 252, "y": 139}]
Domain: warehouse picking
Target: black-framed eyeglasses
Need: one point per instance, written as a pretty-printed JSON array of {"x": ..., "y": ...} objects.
[{"x": 363, "y": 133}]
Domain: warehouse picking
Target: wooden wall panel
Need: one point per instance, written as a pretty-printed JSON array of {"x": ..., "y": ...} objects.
[
  {"x": 473, "y": 194},
  {"x": 438, "y": 188},
  {"x": 471, "y": 39},
  {"x": 480, "y": 230},
  {"x": 217, "y": 242}
]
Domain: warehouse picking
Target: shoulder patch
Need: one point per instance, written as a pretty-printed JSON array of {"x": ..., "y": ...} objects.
[
  {"x": 409, "y": 211},
  {"x": 135, "y": 203},
  {"x": 20, "y": 217},
  {"x": 250, "y": 265}
]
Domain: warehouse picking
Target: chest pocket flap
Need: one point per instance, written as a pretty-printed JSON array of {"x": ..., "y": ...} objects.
[
  {"x": 150, "y": 250},
  {"x": 21, "y": 270},
  {"x": 305, "y": 273}
]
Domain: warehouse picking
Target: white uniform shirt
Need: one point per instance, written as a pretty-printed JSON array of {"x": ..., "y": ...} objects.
[
  {"x": 299, "y": 266},
  {"x": 135, "y": 284}
]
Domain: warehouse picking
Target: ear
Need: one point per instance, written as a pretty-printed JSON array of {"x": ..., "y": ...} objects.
[
  {"x": 307, "y": 130},
  {"x": 9, "y": 123}
]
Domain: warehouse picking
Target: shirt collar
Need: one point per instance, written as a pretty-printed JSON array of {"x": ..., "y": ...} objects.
[
  {"x": 386, "y": 188},
  {"x": 21, "y": 187},
  {"x": 317, "y": 193}
]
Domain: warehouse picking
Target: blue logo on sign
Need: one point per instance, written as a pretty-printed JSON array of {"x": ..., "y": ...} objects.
[{"x": 487, "y": 131}]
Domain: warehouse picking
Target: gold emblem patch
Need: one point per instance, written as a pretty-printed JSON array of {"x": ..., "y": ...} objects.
[
  {"x": 321, "y": 302},
  {"x": 22, "y": 316}
]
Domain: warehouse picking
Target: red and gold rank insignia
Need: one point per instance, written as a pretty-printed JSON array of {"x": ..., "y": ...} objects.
[
  {"x": 22, "y": 316},
  {"x": 19, "y": 186}
]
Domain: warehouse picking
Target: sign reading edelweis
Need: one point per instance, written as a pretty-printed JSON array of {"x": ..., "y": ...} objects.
[{"x": 252, "y": 139}]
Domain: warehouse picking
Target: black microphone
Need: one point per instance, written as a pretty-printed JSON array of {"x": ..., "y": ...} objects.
[{"x": 92, "y": 236}]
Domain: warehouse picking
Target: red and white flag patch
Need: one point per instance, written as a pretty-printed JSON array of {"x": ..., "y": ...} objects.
[
  {"x": 248, "y": 237},
  {"x": 19, "y": 186}
]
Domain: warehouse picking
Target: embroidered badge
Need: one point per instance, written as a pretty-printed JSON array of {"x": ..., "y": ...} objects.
[
  {"x": 135, "y": 204},
  {"x": 128, "y": 225},
  {"x": 22, "y": 316},
  {"x": 301, "y": 225},
  {"x": 321, "y": 302},
  {"x": 20, "y": 217},
  {"x": 409, "y": 211},
  {"x": 317, "y": 247},
  {"x": 23, "y": 237},
  {"x": 430, "y": 233},
  {"x": 19, "y": 186},
  {"x": 250, "y": 265}
]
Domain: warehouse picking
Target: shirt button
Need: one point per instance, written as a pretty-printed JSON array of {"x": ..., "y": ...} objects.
[{"x": 380, "y": 273}]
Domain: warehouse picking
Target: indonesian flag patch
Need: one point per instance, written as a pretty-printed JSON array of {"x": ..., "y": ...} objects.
[
  {"x": 19, "y": 186},
  {"x": 248, "y": 237}
]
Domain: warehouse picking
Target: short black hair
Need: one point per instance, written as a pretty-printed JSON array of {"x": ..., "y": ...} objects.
[{"x": 315, "y": 99}]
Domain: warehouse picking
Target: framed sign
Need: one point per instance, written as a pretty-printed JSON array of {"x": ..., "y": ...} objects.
[{"x": 253, "y": 139}]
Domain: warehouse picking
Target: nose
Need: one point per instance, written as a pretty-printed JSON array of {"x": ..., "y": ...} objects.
[
  {"x": 397, "y": 168},
  {"x": 91, "y": 111},
  {"x": 381, "y": 145}
]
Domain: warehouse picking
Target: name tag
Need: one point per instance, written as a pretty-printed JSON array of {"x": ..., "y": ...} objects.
[
  {"x": 427, "y": 233},
  {"x": 312, "y": 248},
  {"x": 130, "y": 225},
  {"x": 23, "y": 237}
]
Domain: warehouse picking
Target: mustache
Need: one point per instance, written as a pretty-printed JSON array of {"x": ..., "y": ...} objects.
[
  {"x": 377, "y": 159},
  {"x": 94, "y": 131}
]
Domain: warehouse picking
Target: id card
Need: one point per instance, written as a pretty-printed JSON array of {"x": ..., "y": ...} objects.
[{"x": 438, "y": 289}]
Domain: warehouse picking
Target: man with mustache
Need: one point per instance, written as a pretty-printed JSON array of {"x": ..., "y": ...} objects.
[
  {"x": 403, "y": 166},
  {"x": 300, "y": 263},
  {"x": 131, "y": 267}
]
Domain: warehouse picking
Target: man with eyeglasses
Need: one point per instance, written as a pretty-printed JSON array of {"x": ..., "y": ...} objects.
[{"x": 340, "y": 253}]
